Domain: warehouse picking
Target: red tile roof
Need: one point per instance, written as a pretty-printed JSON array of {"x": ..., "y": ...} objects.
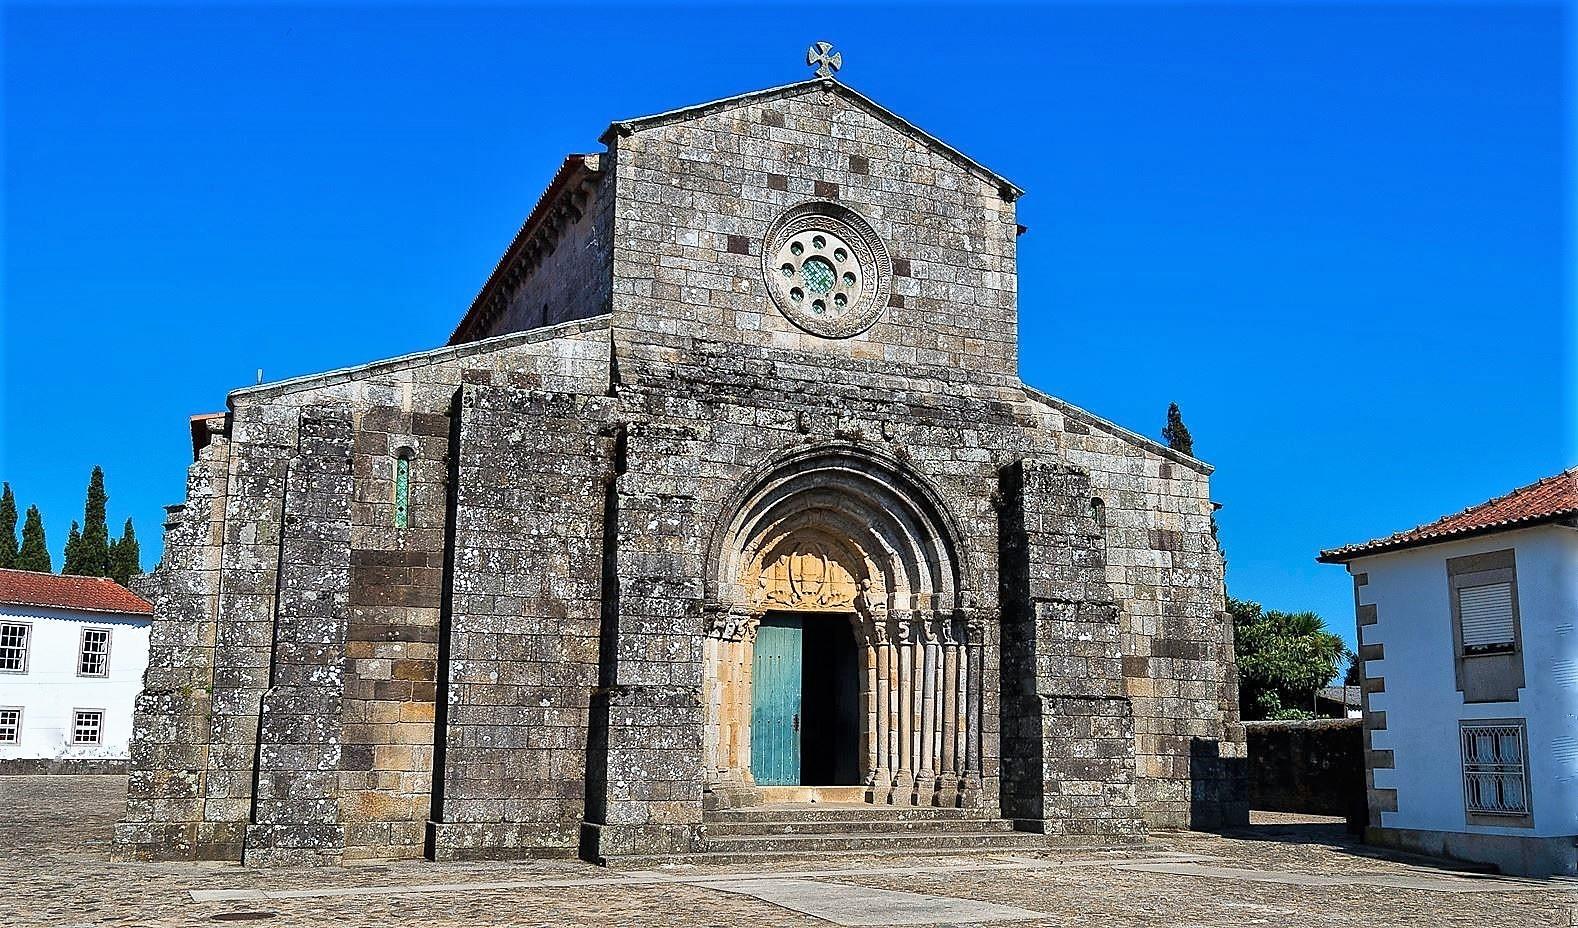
[
  {"x": 1542, "y": 501},
  {"x": 88, "y": 594}
]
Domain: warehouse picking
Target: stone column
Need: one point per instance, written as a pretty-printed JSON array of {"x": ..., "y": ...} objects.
[
  {"x": 961, "y": 708},
  {"x": 904, "y": 776},
  {"x": 882, "y": 648},
  {"x": 975, "y": 640},
  {"x": 926, "y": 775},
  {"x": 712, "y": 704},
  {"x": 748, "y": 624},
  {"x": 915, "y": 709},
  {"x": 868, "y": 694},
  {"x": 895, "y": 692},
  {"x": 948, "y": 776}
]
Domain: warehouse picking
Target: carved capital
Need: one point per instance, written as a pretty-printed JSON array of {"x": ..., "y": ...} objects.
[
  {"x": 974, "y": 627},
  {"x": 906, "y": 627}
]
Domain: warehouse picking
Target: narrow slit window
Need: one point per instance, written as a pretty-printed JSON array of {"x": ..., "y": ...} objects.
[
  {"x": 1486, "y": 613},
  {"x": 402, "y": 492}
]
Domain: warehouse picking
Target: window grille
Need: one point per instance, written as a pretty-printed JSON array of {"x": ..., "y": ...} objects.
[
  {"x": 10, "y": 726},
  {"x": 402, "y": 500},
  {"x": 1486, "y": 613},
  {"x": 13, "y": 646},
  {"x": 1495, "y": 778},
  {"x": 88, "y": 726},
  {"x": 94, "y": 657}
]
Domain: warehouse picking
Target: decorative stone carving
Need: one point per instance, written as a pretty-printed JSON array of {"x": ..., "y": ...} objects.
[
  {"x": 826, "y": 269},
  {"x": 808, "y": 575}
]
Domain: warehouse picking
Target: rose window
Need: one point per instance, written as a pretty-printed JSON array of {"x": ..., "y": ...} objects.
[{"x": 827, "y": 269}]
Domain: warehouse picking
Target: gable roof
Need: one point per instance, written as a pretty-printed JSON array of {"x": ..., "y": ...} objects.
[
  {"x": 1546, "y": 500},
  {"x": 573, "y": 170},
  {"x": 1005, "y": 187},
  {"x": 80, "y": 594}
]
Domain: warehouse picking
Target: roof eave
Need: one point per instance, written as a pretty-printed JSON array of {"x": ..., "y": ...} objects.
[
  {"x": 1351, "y": 553},
  {"x": 96, "y": 611},
  {"x": 571, "y": 170}
]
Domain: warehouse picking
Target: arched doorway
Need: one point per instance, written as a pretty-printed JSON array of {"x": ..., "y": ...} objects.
[{"x": 838, "y": 648}]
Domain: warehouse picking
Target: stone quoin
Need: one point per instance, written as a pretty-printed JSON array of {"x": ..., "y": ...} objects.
[{"x": 725, "y": 484}]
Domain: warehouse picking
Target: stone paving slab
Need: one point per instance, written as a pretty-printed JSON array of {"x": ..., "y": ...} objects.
[
  {"x": 54, "y": 858},
  {"x": 847, "y": 904}
]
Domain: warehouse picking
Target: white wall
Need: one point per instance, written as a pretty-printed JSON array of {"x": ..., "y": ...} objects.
[
  {"x": 50, "y": 690},
  {"x": 1422, "y": 703}
]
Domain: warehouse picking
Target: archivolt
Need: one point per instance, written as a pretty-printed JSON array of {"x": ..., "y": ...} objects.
[{"x": 886, "y": 526}]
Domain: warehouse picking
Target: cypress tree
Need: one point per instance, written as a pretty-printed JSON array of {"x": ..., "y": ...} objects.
[
  {"x": 125, "y": 556},
  {"x": 94, "y": 552},
  {"x": 8, "y": 547},
  {"x": 1176, "y": 434},
  {"x": 34, "y": 554},
  {"x": 73, "y": 563}
]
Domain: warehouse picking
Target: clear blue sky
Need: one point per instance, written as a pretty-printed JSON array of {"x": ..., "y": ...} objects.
[{"x": 1335, "y": 234}]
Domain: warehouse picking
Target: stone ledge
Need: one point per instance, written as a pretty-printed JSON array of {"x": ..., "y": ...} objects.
[{"x": 65, "y": 766}]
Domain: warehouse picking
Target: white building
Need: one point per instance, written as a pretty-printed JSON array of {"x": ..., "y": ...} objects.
[
  {"x": 1468, "y": 636},
  {"x": 72, "y": 655}
]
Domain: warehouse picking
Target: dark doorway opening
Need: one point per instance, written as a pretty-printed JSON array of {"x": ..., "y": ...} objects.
[{"x": 830, "y": 700}]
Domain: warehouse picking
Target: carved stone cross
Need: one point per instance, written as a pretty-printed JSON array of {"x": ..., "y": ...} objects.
[{"x": 826, "y": 63}]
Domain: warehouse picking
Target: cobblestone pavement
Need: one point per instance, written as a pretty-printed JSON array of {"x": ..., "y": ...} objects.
[{"x": 54, "y": 857}]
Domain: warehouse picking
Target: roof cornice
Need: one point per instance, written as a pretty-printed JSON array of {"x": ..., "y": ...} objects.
[
  {"x": 558, "y": 208},
  {"x": 1069, "y": 410},
  {"x": 1005, "y": 188}
]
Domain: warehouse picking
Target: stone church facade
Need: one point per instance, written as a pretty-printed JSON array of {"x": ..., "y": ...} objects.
[{"x": 725, "y": 485}]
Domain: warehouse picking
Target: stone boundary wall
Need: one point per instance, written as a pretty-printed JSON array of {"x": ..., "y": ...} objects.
[
  {"x": 64, "y": 767},
  {"x": 1314, "y": 766}
]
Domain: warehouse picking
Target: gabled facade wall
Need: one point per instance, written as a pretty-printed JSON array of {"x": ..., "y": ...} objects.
[
  {"x": 1414, "y": 704},
  {"x": 50, "y": 690}
]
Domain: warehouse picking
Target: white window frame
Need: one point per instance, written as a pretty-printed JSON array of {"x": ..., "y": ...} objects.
[
  {"x": 26, "y": 647},
  {"x": 1495, "y": 772},
  {"x": 76, "y": 725},
  {"x": 16, "y": 735},
  {"x": 82, "y": 646}
]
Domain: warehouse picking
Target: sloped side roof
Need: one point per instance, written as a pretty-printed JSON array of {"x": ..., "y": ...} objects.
[
  {"x": 1544, "y": 500},
  {"x": 1006, "y": 187},
  {"x": 83, "y": 594},
  {"x": 570, "y": 172}
]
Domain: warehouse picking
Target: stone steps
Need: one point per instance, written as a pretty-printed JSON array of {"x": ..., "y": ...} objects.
[
  {"x": 854, "y": 826},
  {"x": 830, "y": 831},
  {"x": 770, "y": 858},
  {"x": 835, "y": 812},
  {"x": 900, "y": 842}
]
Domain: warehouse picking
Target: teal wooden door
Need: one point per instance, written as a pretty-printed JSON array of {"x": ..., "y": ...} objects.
[{"x": 775, "y": 702}]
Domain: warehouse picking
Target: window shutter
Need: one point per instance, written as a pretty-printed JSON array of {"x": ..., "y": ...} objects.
[{"x": 1486, "y": 613}]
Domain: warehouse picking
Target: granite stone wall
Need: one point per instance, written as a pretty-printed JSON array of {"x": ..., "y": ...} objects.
[
  {"x": 522, "y": 622},
  {"x": 1068, "y": 732},
  {"x": 518, "y": 669},
  {"x": 1314, "y": 766}
]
